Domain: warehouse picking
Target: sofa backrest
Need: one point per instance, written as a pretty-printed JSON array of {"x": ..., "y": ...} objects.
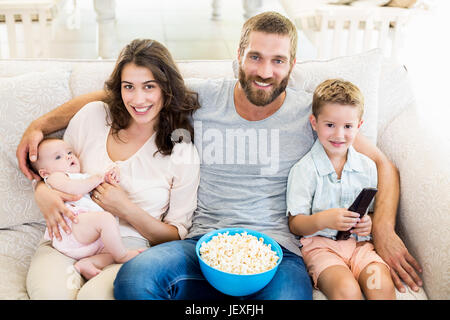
[
  {"x": 365, "y": 70},
  {"x": 32, "y": 87}
]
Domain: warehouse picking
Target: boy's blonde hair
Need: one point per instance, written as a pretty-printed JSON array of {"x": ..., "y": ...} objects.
[
  {"x": 337, "y": 91},
  {"x": 269, "y": 22}
]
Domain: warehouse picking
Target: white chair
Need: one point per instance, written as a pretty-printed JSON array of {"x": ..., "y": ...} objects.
[
  {"x": 29, "y": 20},
  {"x": 337, "y": 30}
]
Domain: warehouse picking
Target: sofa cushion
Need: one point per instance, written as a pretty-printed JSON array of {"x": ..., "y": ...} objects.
[
  {"x": 88, "y": 76},
  {"x": 362, "y": 69},
  {"x": 17, "y": 67},
  {"x": 395, "y": 93},
  {"x": 24, "y": 98},
  {"x": 18, "y": 245},
  {"x": 409, "y": 294},
  {"x": 421, "y": 156}
]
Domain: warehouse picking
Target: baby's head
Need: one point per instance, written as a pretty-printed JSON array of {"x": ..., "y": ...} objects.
[
  {"x": 337, "y": 111},
  {"x": 55, "y": 155}
]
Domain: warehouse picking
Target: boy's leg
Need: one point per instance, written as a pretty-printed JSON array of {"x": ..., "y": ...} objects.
[
  {"x": 291, "y": 281},
  {"x": 338, "y": 283},
  {"x": 167, "y": 271},
  {"x": 372, "y": 272},
  {"x": 94, "y": 225},
  {"x": 327, "y": 260},
  {"x": 376, "y": 282}
]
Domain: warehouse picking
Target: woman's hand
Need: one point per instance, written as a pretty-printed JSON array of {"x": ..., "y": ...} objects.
[
  {"x": 338, "y": 219},
  {"x": 51, "y": 204},
  {"x": 112, "y": 198},
  {"x": 363, "y": 227}
]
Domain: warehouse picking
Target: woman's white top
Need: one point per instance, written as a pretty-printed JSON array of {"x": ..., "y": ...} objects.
[{"x": 164, "y": 186}]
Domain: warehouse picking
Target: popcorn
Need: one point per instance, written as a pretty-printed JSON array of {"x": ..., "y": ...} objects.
[{"x": 240, "y": 253}]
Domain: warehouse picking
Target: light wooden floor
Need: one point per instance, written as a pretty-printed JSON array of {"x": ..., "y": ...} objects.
[{"x": 184, "y": 26}]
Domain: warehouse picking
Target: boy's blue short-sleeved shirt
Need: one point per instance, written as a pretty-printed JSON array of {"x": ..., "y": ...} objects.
[{"x": 313, "y": 185}]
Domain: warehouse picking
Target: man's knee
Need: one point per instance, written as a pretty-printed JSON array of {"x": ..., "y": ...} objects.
[{"x": 147, "y": 275}]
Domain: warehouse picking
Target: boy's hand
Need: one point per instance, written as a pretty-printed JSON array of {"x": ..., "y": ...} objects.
[
  {"x": 363, "y": 227},
  {"x": 338, "y": 219}
]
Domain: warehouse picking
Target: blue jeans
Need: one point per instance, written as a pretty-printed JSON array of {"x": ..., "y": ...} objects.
[{"x": 171, "y": 271}]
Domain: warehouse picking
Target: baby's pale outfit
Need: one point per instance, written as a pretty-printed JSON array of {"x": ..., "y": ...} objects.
[{"x": 69, "y": 245}]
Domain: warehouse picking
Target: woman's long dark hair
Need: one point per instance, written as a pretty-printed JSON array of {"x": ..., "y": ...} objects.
[{"x": 179, "y": 102}]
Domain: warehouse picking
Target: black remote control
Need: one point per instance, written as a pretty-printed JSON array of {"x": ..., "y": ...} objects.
[{"x": 360, "y": 205}]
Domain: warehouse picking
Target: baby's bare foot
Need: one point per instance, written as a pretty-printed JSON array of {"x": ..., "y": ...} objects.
[
  {"x": 130, "y": 255},
  {"x": 86, "y": 268}
]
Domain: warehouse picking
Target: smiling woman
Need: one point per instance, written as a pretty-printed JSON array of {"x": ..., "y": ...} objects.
[
  {"x": 140, "y": 92},
  {"x": 143, "y": 100},
  {"x": 146, "y": 76},
  {"x": 146, "y": 100}
]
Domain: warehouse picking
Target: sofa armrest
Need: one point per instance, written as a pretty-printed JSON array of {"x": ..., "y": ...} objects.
[{"x": 421, "y": 157}]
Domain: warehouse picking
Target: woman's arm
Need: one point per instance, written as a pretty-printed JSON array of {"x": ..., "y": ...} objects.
[
  {"x": 50, "y": 122},
  {"x": 387, "y": 243},
  {"x": 51, "y": 204},
  {"x": 184, "y": 167},
  {"x": 154, "y": 230},
  {"x": 114, "y": 199}
]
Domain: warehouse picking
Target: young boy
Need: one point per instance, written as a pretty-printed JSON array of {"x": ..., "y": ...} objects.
[
  {"x": 95, "y": 240},
  {"x": 322, "y": 185}
]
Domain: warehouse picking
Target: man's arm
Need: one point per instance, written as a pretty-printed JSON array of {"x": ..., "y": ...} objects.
[
  {"x": 387, "y": 243},
  {"x": 50, "y": 122}
]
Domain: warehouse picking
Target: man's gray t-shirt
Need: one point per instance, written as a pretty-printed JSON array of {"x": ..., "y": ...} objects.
[{"x": 245, "y": 164}]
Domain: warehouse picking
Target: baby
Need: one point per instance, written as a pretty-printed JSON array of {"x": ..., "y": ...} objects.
[{"x": 95, "y": 240}]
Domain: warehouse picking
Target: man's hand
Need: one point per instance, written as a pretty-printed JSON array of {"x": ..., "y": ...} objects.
[
  {"x": 28, "y": 148},
  {"x": 51, "y": 204},
  {"x": 403, "y": 266}
]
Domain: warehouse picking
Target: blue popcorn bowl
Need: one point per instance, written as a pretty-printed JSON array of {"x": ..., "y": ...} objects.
[{"x": 238, "y": 284}]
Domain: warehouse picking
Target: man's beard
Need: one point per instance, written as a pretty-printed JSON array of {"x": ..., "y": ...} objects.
[{"x": 258, "y": 97}]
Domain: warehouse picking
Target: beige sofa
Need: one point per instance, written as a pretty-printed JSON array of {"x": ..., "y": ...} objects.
[{"x": 29, "y": 88}]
